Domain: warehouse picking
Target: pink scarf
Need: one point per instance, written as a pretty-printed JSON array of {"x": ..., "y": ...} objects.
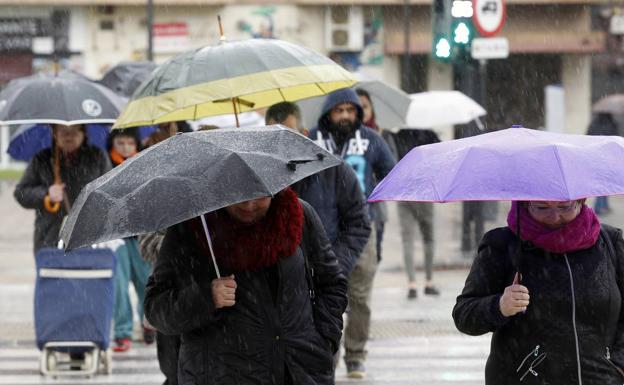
[{"x": 580, "y": 234}]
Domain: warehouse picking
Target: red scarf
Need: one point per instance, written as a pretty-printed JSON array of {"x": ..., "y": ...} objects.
[
  {"x": 372, "y": 123},
  {"x": 580, "y": 234},
  {"x": 250, "y": 247}
]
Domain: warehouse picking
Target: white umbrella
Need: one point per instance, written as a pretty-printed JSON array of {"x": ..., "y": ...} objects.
[
  {"x": 442, "y": 108},
  {"x": 246, "y": 119}
]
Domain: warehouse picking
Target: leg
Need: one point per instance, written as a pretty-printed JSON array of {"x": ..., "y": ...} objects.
[
  {"x": 140, "y": 271},
  {"x": 425, "y": 222},
  {"x": 466, "y": 245},
  {"x": 406, "y": 221},
  {"x": 358, "y": 320},
  {"x": 122, "y": 314}
]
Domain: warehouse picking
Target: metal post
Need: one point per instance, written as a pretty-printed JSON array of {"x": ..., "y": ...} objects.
[
  {"x": 4, "y": 145},
  {"x": 150, "y": 30},
  {"x": 406, "y": 39}
]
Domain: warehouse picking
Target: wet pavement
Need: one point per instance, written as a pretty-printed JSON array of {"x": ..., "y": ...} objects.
[{"x": 412, "y": 341}]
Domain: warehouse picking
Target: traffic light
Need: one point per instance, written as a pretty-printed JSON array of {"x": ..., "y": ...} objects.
[{"x": 453, "y": 29}]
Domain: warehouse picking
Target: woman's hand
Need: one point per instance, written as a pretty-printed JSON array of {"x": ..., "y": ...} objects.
[
  {"x": 224, "y": 291},
  {"x": 55, "y": 192},
  {"x": 515, "y": 298}
]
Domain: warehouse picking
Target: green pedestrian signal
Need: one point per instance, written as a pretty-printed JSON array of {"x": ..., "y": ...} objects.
[{"x": 453, "y": 29}]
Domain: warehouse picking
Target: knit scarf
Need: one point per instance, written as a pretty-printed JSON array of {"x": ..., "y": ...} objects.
[
  {"x": 579, "y": 234},
  {"x": 250, "y": 247},
  {"x": 372, "y": 123}
]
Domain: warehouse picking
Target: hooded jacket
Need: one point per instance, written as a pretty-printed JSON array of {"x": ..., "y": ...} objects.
[
  {"x": 275, "y": 333},
  {"x": 575, "y": 296},
  {"x": 364, "y": 150},
  {"x": 89, "y": 163}
]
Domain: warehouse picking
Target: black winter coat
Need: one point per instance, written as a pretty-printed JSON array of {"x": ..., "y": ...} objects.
[
  {"x": 260, "y": 339},
  {"x": 336, "y": 196},
  {"x": 90, "y": 163},
  {"x": 573, "y": 296}
]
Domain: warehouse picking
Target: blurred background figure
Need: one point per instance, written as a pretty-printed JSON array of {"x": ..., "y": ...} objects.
[
  {"x": 603, "y": 124},
  {"x": 412, "y": 213}
]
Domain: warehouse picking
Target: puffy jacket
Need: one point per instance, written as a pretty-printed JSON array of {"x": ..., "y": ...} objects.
[
  {"x": 336, "y": 196},
  {"x": 575, "y": 302},
  {"x": 259, "y": 340}
]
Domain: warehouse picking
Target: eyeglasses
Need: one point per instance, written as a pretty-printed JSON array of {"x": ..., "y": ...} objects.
[{"x": 563, "y": 209}]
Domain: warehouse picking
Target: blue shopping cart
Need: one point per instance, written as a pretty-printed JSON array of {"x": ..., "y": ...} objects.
[{"x": 74, "y": 297}]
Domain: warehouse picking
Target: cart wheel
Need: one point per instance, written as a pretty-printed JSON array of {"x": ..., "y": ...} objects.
[
  {"x": 51, "y": 361},
  {"x": 106, "y": 358}
]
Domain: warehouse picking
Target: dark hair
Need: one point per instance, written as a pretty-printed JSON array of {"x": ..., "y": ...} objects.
[
  {"x": 279, "y": 112},
  {"x": 363, "y": 92},
  {"x": 132, "y": 132}
]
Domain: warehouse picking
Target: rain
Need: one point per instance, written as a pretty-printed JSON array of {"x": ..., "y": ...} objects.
[{"x": 256, "y": 192}]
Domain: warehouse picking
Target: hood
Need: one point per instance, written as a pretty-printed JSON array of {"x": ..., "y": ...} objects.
[{"x": 346, "y": 95}]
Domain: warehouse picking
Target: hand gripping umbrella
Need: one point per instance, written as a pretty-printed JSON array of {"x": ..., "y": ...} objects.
[{"x": 188, "y": 175}]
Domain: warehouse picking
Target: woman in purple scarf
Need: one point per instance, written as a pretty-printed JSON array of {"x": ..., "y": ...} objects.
[{"x": 549, "y": 287}]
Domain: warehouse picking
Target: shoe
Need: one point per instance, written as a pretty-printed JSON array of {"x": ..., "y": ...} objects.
[
  {"x": 431, "y": 290},
  {"x": 122, "y": 345},
  {"x": 355, "y": 369},
  {"x": 149, "y": 335},
  {"x": 412, "y": 294}
]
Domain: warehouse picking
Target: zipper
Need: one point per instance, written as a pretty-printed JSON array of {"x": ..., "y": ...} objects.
[
  {"x": 534, "y": 364},
  {"x": 607, "y": 357},
  {"x": 576, "y": 339},
  {"x": 534, "y": 352}
]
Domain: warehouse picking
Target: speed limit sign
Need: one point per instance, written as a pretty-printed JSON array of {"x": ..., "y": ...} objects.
[{"x": 489, "y": 16}]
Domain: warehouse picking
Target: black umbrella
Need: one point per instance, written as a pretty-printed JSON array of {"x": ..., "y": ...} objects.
[
  {"x": 188, "y": 175},
  {"x": 64, "y": 98},
  {"x": 126, "y": 77}
]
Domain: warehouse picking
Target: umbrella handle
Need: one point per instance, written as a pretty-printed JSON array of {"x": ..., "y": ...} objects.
[
  {"x": 214, "y": 260},
  {"x": 54, "y": 207}
]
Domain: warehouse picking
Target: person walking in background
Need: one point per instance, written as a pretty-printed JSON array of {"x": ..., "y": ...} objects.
[
  {"x": 258, "y": 323},
  {"x": 131, "y": 267},
  {"x": 341, "y": 132},
  {"x": 549, "y": 287},
  {"x": 76, "y": 163},
  {"x": 603, "y": 124},
  {"x": 334, "y": 193},
  {"x": 379, "y": 210},
  {"x": 412, "y": 213}
]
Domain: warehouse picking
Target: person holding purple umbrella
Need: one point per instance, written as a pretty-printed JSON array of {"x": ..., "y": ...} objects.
[{"x": 549, "y": 286}]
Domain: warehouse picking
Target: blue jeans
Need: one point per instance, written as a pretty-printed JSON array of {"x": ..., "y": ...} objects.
[{"x": 130, "y": 267}]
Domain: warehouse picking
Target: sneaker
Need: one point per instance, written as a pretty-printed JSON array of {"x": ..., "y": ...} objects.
[
  {"x": 355, "y": 369},
  {"x": 149, "y": 335},
  {"x": 412, "y": 294},
  {"x": 122, "y": 345},
  {"x": 431, "y": 290}
]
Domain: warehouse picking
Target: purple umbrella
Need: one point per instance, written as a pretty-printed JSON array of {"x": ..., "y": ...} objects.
[{"x": 512, "y": 164}]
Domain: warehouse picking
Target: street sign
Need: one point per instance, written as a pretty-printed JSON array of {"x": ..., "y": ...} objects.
[
  {"x": 490, "y": 48},
  {"x": 489, "y": 16}
]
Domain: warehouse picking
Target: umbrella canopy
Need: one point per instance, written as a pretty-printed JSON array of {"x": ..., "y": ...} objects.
[
  {"x": 126, "y": 77},
  {"x": 441, "y": 108},
  {"x": 512, "y": 164},
  {"x": 390, "y": 104},
  {"x": 612, "y": 104},
  {"x": 61, "y": 99},
  {"x": 190, "y": 174},
  {"x": 29, "y": 139},
  {"x": 232, "y": 77},
  {"x": 246, "y": 119}
]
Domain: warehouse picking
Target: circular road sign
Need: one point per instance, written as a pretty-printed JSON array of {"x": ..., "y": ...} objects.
[{"x": 489, "y": 16}]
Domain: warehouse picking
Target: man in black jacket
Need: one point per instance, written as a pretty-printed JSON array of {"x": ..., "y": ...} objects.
[{"x": 334, "y": 193}]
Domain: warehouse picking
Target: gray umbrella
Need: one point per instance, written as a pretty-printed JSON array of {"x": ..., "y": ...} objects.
[
  {"x": 126, "y": 77},
  {"x": 64, "y": 98},
  {"x": 390, "y": 105},
  {"x": 188, "y": 175}
]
